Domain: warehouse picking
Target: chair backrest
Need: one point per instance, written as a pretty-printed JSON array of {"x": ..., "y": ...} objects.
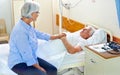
[{"x": 2, "y": 27}]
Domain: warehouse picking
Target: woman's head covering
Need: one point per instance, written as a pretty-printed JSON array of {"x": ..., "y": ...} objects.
[{"x": 28, "y": 8}]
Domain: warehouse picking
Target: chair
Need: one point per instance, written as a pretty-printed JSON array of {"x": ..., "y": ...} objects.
[{"x": 4, "y": 37}]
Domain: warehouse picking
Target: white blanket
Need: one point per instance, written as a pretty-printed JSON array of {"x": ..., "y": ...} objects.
[
  {"x": 55, "y": 52},
  {"x": 55, "y": 60},
  {"x": 4, "y": 69}
]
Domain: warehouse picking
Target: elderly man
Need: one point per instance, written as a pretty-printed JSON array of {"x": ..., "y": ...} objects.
[{"x": 84, "y": 34}]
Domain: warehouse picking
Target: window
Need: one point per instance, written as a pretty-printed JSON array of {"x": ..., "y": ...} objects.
[{"x": 118, "y": 10}]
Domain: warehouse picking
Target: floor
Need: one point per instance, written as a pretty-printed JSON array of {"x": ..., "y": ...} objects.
[{"x": 71, "y": 71}]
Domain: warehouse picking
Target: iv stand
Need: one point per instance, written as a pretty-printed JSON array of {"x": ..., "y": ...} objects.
[{"x": 60, "y": 16}]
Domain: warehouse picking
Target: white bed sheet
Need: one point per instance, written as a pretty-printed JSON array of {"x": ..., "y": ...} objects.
[
  {"x": 4, "y": 70},
  {"x": 55, "y": 53},
  {"x": 61, "y": 60}
]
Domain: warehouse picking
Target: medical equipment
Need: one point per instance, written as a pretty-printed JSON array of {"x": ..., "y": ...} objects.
[
  {"x": 67, "y": 5},
  {"x": 112, "y": 48}
]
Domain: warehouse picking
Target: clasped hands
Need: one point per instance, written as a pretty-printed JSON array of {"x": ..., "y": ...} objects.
[{"x": 62, "y": 35}]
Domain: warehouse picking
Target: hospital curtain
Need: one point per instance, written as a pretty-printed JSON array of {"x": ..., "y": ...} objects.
[{"x": 118, "y": 10}]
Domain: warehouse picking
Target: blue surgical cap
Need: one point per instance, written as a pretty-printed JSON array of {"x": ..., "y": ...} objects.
[{"x": 28, "y": 8}]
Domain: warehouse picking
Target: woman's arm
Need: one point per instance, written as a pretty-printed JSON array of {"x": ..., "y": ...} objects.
[
  {"x": 71, "y": 49},
  {"x": 57, "y": 36}
]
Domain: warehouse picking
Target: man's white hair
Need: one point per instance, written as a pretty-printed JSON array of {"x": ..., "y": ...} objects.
[
  {"x": 28, "y": 8},
  {"x": 92, "y": 30}
]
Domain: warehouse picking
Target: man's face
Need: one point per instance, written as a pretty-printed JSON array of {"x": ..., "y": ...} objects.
[{"x": 85, "y": 33}]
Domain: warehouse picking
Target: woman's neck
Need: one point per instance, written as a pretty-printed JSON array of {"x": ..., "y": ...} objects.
[{"x": 26, "y": 20}]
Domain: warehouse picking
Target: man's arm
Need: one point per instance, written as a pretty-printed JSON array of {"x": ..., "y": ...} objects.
[
  {"x": 71, "y": 49},
  {"x": 57, "y": 36}
]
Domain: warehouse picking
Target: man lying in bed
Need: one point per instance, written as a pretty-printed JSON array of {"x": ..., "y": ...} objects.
[
  {"x": 54, "y": 51},
  {"x": 84, "y": 34},
  {"x": 73, "y": 42},
  {"x": 87, "y": 36}
]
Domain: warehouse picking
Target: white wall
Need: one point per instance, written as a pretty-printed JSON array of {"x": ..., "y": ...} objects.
[
  {"x": 44, "y": 22},
  {"x": 12, "y": 14},
  {"x": 5, "y": 12},
  {"x": 100, "y": 12},
  {"x": 16, "y": 9}
]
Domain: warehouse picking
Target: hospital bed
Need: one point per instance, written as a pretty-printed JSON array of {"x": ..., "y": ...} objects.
[
  {"x": 59, "y": 57},
  {"x": 4, "y": 70},
  {"x": 62, "y": 60}
]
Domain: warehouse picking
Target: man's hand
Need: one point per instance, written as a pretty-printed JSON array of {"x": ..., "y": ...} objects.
[
  {"x": 62, "y": 35},
  {"x": 58, "y": 36},
  {"x": 70, "y": 48}
]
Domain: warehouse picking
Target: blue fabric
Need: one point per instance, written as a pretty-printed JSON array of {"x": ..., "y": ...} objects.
[
  {"x": 23, "y": 44},
  {"x": 118, "y": 10}
]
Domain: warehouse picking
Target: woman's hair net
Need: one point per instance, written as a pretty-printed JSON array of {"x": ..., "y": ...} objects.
[{"x": 28, "y": 8}]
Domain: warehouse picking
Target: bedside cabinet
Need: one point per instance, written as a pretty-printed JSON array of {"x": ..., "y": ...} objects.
[{"x": 100, "y": 62}]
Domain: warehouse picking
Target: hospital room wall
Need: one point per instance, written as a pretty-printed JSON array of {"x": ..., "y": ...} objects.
[
  {"x": 10, "y": 11},
  {"x": 100, "y": 12},
  {"x": 44, "y": 21},
  {"x": 5, "y": 13}
]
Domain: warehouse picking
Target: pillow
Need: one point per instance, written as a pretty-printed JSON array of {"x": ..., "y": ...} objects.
[
  {"x": 99, "y": 36},
  {"x": 77, "y": 33}
]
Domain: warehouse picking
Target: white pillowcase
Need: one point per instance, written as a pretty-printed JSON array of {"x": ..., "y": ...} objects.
[{"x": 99, "y": 36}]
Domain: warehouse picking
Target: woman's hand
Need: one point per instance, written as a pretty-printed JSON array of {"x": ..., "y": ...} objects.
[
  {"x": 39, "y": 67},
  {"x": 58, "y": 36},
  {"x": 42, "y": 69},
  {"x": 62, "y": 35}
]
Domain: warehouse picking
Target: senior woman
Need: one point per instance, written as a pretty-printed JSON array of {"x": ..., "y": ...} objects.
[{"x": 23, "y": 44}]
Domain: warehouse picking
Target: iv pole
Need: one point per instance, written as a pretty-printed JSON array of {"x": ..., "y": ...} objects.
[{"x": 60, "y": 16}]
